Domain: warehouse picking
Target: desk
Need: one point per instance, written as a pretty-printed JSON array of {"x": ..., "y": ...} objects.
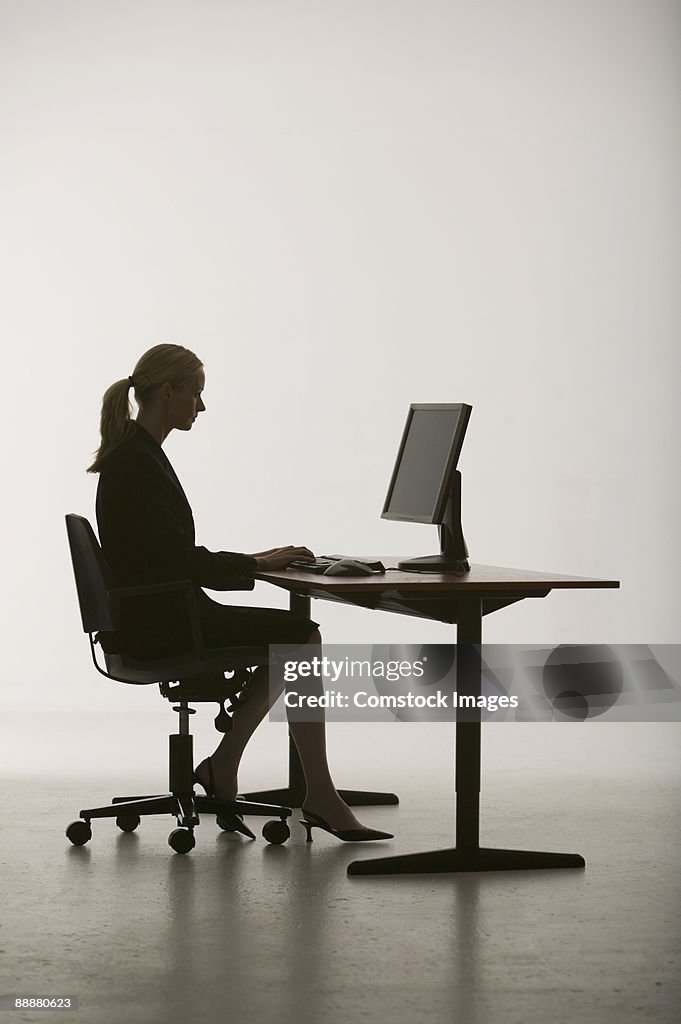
[{"x": 462, "y": 601}]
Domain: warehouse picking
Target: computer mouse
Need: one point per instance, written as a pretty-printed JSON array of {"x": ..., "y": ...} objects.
[{"x": 348, "y": 567}]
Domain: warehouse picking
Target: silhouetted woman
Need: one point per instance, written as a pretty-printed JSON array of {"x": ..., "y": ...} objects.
[{"x": 146, "y": 530}]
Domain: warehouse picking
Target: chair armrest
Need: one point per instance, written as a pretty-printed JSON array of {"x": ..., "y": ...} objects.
[{"x": 183, "y": 587}]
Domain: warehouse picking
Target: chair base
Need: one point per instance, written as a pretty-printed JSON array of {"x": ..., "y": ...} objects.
[
  {"x": 183, "y": 803},
  {"x": 186, "y": 809},
  {"x": 128, "y": 812}
]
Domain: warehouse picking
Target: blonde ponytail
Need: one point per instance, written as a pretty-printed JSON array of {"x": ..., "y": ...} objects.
[{"x": 173, "y": 364}]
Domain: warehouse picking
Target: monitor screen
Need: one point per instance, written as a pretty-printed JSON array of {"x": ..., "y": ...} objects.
[{"x": 426, "y": 461}]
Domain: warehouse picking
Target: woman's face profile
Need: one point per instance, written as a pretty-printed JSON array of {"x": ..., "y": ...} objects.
[{"x": 185, "y": 402}]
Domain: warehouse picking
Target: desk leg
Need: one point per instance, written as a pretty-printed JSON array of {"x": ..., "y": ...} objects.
[
  {"x": 293, "y": 794},
  {"x": 467, "y": 855}
]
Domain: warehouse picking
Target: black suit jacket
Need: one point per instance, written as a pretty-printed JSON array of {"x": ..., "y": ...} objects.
[{"x": 146, "y": 529}]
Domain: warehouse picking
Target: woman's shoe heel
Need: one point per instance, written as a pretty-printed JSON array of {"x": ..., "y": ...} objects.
[
  {"x": 210, "y": 788},
  {"x": 308, "y": 830}
]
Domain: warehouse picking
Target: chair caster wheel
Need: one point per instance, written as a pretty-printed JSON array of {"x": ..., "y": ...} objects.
[
  {"x": 79, "y": 833},
  {"x": 128, "y": 822},
  {"x": 276, "y": 832},
  {"x": 182, "y": 840}
]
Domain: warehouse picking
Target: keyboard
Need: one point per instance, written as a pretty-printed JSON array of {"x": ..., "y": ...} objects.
[{"x": 322, "y": 563}]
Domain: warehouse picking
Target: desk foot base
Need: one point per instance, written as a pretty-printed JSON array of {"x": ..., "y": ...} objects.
[
  {"x": 292, "y": 796},
  {"x": 365, "y": 798},
  {"x": 477, "y": 859}
]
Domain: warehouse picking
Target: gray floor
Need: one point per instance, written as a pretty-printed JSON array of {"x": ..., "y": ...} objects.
[{"x": 240, "y": 930}]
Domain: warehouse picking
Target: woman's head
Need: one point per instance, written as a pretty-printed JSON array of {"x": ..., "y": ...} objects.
[{"x": 167, "y": 382}]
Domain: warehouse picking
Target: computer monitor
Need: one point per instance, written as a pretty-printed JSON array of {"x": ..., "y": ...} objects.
[{"x": 425, "y": 486}]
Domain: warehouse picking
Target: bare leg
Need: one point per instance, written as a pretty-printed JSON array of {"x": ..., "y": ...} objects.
[{"x": 322, "y": 797}]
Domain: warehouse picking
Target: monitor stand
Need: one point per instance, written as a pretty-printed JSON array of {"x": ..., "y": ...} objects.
[{"x": 453, "y": 555}]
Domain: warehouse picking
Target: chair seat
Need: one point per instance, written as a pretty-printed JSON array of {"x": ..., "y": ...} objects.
[{"x": 166, "y": 670}]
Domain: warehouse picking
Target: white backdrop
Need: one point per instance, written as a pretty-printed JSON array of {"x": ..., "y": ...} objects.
[{"x": 344, "y": 206}]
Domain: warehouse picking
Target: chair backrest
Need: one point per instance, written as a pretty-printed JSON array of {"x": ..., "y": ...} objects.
[{"x": 94, "y": 578}]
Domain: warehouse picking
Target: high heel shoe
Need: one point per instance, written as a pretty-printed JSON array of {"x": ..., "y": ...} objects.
[
  {"x": 228, "y": 823},
  {"x": 348, "y": 835}
]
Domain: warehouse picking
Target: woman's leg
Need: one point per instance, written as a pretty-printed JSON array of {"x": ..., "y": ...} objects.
[{"x": 322, "y": 798}]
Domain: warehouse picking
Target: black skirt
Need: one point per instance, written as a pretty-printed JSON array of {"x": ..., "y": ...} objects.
[
  {"x": 226, "y": 625},
  {"x": 160, "y": 629}
]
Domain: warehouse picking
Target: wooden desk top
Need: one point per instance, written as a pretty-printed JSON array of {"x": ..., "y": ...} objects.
[{"x": 482, "y": 580}]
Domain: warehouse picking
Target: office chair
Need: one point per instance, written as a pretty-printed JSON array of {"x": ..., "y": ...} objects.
[{"x": 195, "y": 677}]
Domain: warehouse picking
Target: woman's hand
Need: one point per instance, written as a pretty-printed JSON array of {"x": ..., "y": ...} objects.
[{"x": 280, "y": 558}]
